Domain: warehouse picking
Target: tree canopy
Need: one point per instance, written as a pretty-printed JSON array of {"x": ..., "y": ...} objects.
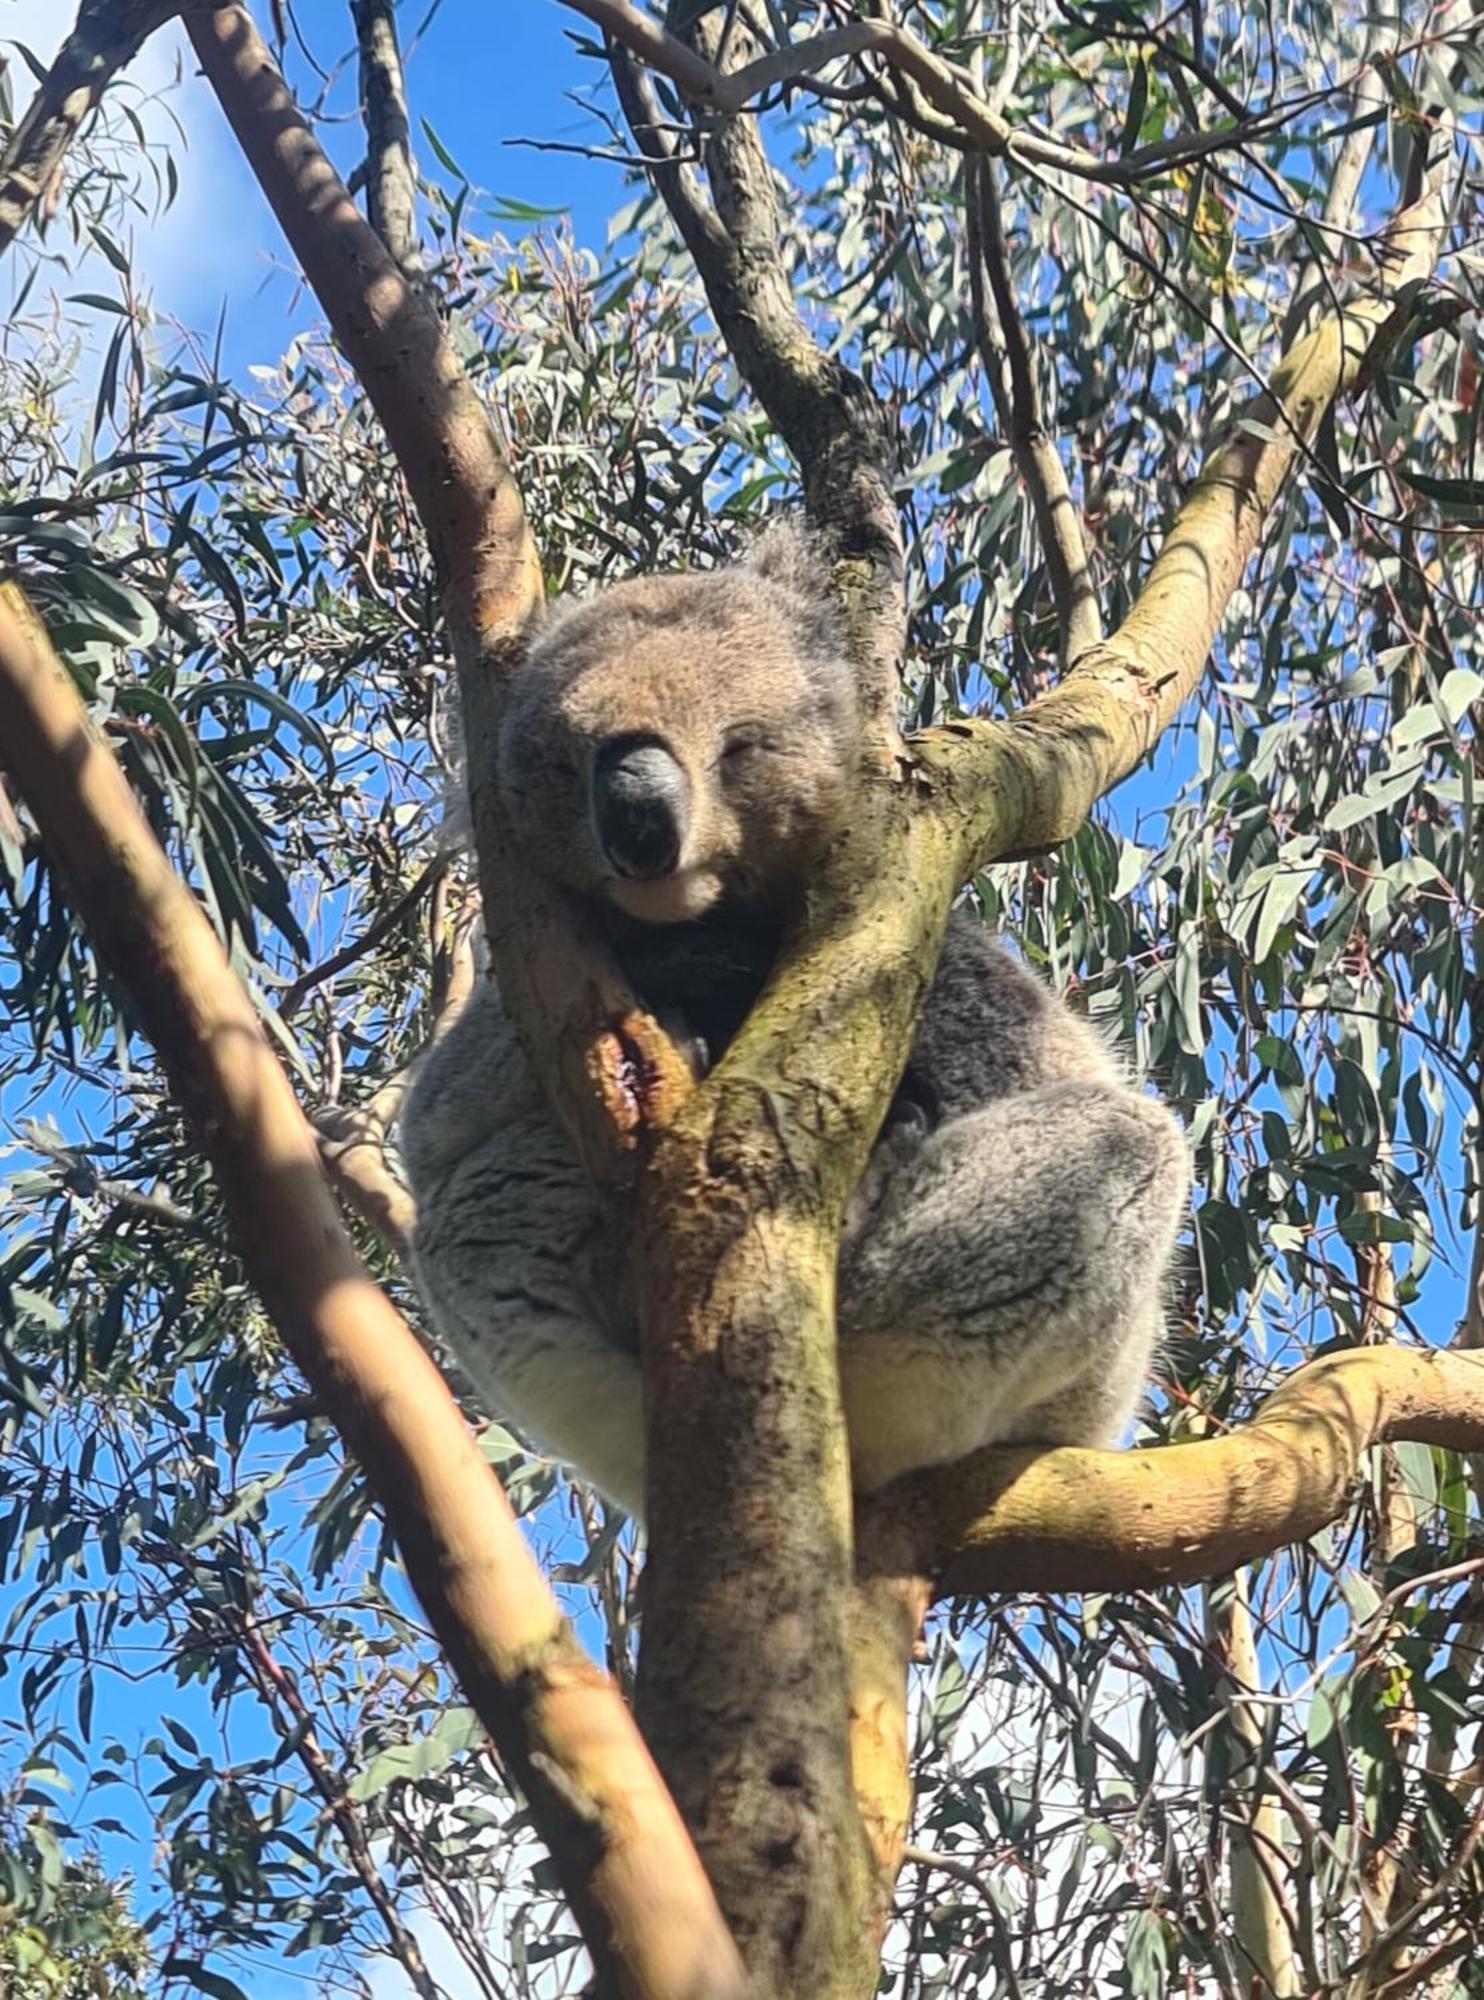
[{"x": 996, "y": 248}]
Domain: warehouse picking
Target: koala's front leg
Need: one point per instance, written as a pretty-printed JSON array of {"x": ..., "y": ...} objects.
[
  {"x": 515, "y": 1261},
  {"x": 1002, "y": 1280}
]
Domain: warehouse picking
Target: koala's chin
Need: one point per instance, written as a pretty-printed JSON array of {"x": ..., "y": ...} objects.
[{"x": 667, "y": 899}]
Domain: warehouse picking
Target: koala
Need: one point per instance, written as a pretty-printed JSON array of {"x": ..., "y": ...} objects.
[{"x": 677, "y": 752}]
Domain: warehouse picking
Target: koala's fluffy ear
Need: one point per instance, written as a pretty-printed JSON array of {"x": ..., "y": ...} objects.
[{"x": 793, "y": 566}]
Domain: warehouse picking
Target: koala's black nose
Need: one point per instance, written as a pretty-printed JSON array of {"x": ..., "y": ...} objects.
[{"x": 639, "y": 807}]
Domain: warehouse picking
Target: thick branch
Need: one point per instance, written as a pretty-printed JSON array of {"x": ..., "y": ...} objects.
[
  {"x": 1008, "y": 363},
  {"x": 622, "y": 1853},
  {"x": 1030, "y": 782},
  {"x": 749, "y": 1493},
  {"x": 107, "y": 35},
  {"x": 1129, "y": 1520}
]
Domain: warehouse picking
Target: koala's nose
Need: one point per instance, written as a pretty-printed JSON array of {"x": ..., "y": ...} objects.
[{"x": 639, "y": 807}]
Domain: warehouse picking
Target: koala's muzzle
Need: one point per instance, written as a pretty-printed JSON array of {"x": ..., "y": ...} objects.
[{"x": 639, "y": 807}]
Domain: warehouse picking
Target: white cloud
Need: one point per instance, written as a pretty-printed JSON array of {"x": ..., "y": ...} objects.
[{"x": 216, "y": 238}]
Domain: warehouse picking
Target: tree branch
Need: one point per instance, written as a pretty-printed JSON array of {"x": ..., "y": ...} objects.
[
  {"x": 391, "y": 190},
  {"x": 107, "y": 35},
  {"x": 293, "y": 996},
  {"x": 1009, "y": 366},
  {"x": 964, "y": 118},
  {"x": 1262, "y": 1925},
  {"x": 835, "y": 427},
  {"x": 1128, "y": 1520},
  {"x": 749, "y": 1496},
  {"x": 620, "y": 1849},
  {"x": 1030, "y": 782},
  {"x": 586, "y": 1036}
]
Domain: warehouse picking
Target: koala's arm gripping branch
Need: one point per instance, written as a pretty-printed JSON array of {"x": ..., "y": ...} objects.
[
  {"x": 1129, "y": 1520},
  {"x": 623, "y": 1855}
]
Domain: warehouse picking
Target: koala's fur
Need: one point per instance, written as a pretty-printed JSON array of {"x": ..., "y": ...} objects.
[{"x": 1003, "y": 1262}]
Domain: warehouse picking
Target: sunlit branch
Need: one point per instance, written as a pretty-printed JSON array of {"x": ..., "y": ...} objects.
[
  {"x": 624, "y": 1858},
  {"x": 1122, "y": 1520}
]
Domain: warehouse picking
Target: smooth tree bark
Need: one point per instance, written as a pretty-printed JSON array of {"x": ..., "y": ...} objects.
[{"x": 560, "y": 1724}]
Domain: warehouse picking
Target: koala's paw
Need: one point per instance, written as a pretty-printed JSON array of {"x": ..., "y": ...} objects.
[{"x": 691, "y": 1046}]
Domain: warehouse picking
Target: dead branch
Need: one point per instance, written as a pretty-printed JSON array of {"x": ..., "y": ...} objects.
[
  {"x": 1005, "y": 350},
  {"x": 107, "y": 35},
  {"x": 623, "y": 1855},
  {"x": 391, "y": 189}
]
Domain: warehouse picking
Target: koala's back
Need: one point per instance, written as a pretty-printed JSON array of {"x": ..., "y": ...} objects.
[{"x": 991, "y": 1028}]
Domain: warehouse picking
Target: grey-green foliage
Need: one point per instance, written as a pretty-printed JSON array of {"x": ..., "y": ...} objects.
[{"x": 1280, "y": 916}]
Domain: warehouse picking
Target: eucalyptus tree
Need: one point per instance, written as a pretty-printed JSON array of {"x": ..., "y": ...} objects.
[{"x": 1192, "y": 1719}]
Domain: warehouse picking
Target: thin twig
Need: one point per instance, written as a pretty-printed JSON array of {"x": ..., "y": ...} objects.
[
  {"x": 1006, "y": 353},
  {"x": 374, "y": 934}
]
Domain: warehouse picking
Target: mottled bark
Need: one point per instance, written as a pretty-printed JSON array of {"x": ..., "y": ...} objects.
[{"x": 391, "y": 189}]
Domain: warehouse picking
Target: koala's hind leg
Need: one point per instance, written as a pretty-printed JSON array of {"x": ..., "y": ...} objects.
[{"x": 1003, "y": 1280}]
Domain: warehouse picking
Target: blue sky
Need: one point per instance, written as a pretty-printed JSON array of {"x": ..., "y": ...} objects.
[{"x": 218, "y": 247}]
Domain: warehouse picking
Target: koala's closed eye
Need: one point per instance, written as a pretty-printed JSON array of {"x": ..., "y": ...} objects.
[{"x": 744, "y": 742}]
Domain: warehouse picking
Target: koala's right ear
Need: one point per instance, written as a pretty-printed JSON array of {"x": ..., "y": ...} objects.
[
  {"x": 793, "y": 565},
  {"x": 786, "y": 555}
]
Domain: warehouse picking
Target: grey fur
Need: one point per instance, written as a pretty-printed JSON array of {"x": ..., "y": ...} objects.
[{"x": 1004, "y": 1260}]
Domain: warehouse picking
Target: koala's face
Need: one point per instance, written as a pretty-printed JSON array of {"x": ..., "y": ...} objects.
[{"x": 684, "y": 741}]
